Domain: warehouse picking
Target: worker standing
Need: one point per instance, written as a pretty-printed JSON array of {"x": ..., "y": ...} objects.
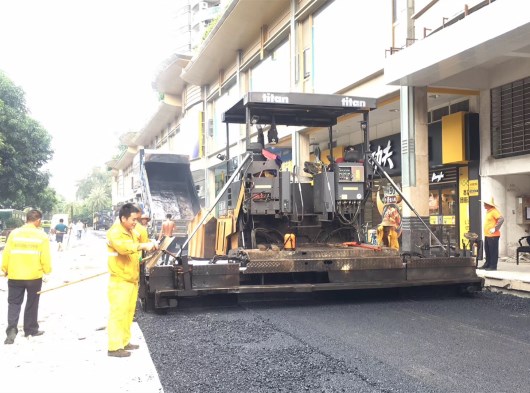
[
  {"x": 141, "y": 228},
  {"x": 492, "y": 226},
  {"x": 25, "y": 260},
  {"x": 387, "y": 235},
  {"x": 168, "y": 226},
  {"x": 124, "y": 268}
]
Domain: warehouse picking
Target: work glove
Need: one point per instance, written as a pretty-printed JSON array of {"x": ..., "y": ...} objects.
[
  {"x": 148, "y": 246},
  {"x": 45, "y": 278},
  {"x": 492, "y": 230}
]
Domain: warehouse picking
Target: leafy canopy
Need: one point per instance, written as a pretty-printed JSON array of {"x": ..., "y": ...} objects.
[{"x": 25, "y": 146}]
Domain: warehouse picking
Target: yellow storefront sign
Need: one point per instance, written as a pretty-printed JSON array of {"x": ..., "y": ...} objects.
[
  {"x": 435, "y": 220},
  {"x": 448, "y": 220},
  {"x": 473, "y": 188},
  {"x": 464, "y": 186}
]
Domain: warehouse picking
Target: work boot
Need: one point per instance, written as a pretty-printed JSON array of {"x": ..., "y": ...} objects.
[
  {"x": 119, "y": 353},
  {"x": 130, "y": 347},
  {"x": 38, "y": 333},
  {"x": 11, "y": 334}
]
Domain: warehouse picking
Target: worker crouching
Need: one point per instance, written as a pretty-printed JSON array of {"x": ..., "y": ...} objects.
[
  {"x": 124, "y": 251},
  {"x": 387, "y": 235}
]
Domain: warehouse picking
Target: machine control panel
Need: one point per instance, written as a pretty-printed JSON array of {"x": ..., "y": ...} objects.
[
  {"x": 350, "y": 173},
  {"x": 349, "y": 181}
]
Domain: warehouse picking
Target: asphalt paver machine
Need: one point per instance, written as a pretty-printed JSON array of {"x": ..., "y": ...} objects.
[{"x": 293, "y": 230}]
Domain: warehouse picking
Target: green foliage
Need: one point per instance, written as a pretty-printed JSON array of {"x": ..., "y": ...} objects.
[
  {"x": 210, "y": 27},
  {"x": 25, "y": 146},
  {"x": 94, "y": 194},
  {"x": 99, "y": 199},
  {"x": 14, "y": 222},
  {"x": 97, "y": 179},
  {"x": 121, "y": 150}
]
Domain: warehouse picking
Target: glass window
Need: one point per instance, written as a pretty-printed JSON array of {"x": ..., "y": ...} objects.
[
  {"x": 434, "y": 202},
  {"x": 307, "y": 63},
  {"x": 462, "y": 106},
  {"x": 448, "y": 201},
  {"x": 437, "y": 114},
  {"x": 510, "y": 119},
  {"x": 220, "y": 105},
  {"x": 277, "y": 64},
  {"x": 348, "y": 44}
]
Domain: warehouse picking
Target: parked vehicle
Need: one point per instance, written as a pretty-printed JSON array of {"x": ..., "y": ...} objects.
[{"x": 46, "y": 225}]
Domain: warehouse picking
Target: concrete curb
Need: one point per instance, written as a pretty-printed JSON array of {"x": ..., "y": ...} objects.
[{"x": 508, "y": 278}]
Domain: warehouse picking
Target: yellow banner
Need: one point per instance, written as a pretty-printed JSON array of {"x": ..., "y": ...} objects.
[
  {"x": 463, "y": 199},
  {"x": 448, "y": 220},
  {"x": 435, "y": 220},
  {"x": 473, "y": 188}
]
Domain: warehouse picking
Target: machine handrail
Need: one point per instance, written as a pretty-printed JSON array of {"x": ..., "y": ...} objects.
[
  {"x": 236, "y": 173},
  {"x": 374, "y": 162}
]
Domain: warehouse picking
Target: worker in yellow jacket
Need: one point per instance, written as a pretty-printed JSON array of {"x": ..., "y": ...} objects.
[
  {"x": 141, "y": 228},
  {"x": 124, "y": 268},
  {"x": 25, "y": 260},
  {"x": 387, "y": 235}
]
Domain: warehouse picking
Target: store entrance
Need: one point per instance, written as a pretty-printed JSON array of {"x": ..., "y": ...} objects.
[{"x": 443, "y": 214}]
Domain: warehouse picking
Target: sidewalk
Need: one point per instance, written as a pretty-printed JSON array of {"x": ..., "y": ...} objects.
[
  {"x": 508, "y": 276},
  {"x": 72, "y": 354}
]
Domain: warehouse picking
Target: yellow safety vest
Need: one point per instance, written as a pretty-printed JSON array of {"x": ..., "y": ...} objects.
[
  {"x": 27, "y": 254},
  {"x": 141, "y": 233},
  {"x": 124, "y": 257}
]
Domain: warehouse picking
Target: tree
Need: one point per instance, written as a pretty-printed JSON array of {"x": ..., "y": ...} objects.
[
  {"x": 98, "y": 178},
  {"x": 99, "y": 199},
  {"x": 25, "y": 146}
]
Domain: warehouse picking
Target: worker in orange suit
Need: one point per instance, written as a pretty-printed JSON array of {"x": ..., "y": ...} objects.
[
  {"x": 492, "y": 234},
  {"x": 387, "y": 235},
  {"x": 124, "y": 267}
]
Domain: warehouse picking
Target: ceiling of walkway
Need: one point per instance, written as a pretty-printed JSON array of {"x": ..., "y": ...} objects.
[{"x": 230, "y": 36}]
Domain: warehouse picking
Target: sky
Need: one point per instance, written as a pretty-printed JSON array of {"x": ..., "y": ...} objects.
[{"x": 86, "y": 68}]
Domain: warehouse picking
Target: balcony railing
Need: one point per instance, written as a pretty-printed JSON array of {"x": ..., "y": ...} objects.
[{"x": 445, "y": 22}]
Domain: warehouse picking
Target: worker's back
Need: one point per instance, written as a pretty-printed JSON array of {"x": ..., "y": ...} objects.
[{"x": 167, "y": 227}]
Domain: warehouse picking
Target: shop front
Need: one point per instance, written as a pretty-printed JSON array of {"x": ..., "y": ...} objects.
[{"x": 454, "y": 201}]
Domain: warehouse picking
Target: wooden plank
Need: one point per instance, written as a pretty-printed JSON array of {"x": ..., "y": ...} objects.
[{"x": 154, "y": 256}]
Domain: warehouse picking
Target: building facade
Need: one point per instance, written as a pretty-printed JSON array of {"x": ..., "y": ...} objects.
[{"x": 452, "y": 120}]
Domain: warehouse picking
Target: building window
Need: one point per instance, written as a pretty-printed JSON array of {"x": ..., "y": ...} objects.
[
  {"x": 462, "y": 106},
  {"x": 510, "y": 119},
  {"x": 437, "y": 114},
  {"x": 307, "y": 63}
]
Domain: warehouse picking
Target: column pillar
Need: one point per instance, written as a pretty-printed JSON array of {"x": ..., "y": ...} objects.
[
  {"x": 300, "y": 150},
  {"x": 415, "y": 166}
]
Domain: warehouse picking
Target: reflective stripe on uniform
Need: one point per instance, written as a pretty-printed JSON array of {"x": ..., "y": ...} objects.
[
  {"x": 25, "y": 252},
  {"x": 27, "y": 240},
  {"x": 113, "y": 254}
]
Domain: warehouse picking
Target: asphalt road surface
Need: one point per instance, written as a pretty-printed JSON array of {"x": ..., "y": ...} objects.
[{"x": 383, "y": 341}]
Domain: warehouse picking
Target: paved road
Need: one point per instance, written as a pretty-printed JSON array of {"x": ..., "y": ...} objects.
[{"x": 363, "y": 342}]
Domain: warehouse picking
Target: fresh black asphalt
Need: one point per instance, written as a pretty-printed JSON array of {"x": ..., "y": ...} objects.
[{"x": 372, "y": 341}]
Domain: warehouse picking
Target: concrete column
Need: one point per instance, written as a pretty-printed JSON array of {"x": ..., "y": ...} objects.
[
  {"x": 300, "y": 150},
  {"x": 415, "y": 166},
  {"x": 293, "y": 47}
]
